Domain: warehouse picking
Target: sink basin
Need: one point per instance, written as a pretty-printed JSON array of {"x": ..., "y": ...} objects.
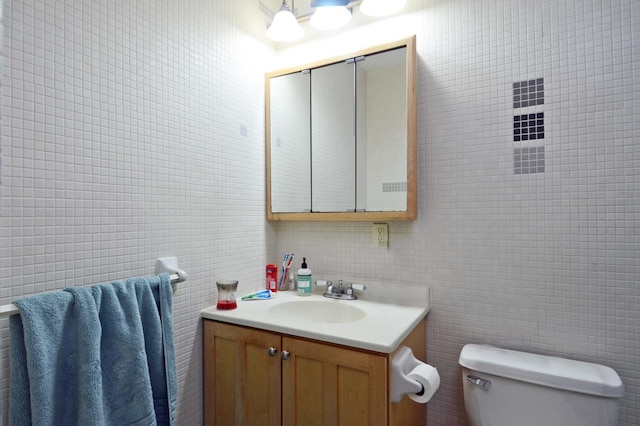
[
  {"x": 318, "y": 311},
  {"x": 364, "y": 324}
]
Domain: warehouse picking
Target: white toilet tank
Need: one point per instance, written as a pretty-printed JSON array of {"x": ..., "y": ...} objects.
[{"x": 510, "y": 388}]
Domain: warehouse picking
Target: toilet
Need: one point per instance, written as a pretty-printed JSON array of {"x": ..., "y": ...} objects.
[{"x": 509, "y": 388}]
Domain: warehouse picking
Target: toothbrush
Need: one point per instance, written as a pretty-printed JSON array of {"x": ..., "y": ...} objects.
[
  {"x": 286, "y": 272},
  {"x": 284, "y": 265}
]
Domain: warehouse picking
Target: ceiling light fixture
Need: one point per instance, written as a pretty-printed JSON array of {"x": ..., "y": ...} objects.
[
  {"x": 285, "y": 26},
  {"x": 381, "y": 7},
  {"x": 330, "y": 14}
]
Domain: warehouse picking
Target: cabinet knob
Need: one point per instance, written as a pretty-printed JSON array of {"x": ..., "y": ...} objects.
[
  {"x": 272, "y": 351},
  {"x": 284, "y": 355}
]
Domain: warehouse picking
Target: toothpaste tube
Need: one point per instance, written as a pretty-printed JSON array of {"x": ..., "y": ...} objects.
[{"x": 264, "y": 294}]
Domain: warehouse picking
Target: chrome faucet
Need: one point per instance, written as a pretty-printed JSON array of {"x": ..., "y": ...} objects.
[
  {"x": 341, "y": 292},
  {"x": 330, "y": 288}
]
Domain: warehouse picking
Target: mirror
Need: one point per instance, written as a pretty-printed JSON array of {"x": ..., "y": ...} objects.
[
  {"x": 341, "y": 137},
  {"x": 383, "y": 136},
  {"x": 291, "y": 145},
  {"x": 333, "y": 148}
]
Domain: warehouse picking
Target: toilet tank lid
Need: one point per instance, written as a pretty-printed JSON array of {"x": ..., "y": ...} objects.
[{"x": 560, "y": 373}]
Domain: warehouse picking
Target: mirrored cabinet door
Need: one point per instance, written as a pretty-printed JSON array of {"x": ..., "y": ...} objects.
[
  {"x": 382, "y": 131},
  {"x": 290, "y": 149},
  {"x": 333, "y": 148},
  {"x": 341, "y": 137}
]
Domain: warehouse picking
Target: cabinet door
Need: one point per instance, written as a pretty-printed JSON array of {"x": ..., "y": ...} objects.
[
  {"x": 242, "y": 380},
  {"x": 329, "y": 385},
  {"x": 358, "y": 140},
  {"x": 333, "y": 143},
  {"x": 290, "y": 152}
]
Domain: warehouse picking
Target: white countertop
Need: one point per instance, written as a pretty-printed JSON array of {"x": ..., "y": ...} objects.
[{"x": 383, "y": 328}]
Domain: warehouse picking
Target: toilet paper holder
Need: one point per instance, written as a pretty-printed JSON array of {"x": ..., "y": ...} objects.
[{"x": 401, "y": 365}]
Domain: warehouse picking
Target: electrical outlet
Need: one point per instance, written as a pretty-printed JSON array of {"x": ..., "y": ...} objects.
[{"x": 381, "y": 235}]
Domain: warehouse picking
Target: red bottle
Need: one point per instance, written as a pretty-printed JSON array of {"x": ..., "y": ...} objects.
[{"x": 272, "y": 277}]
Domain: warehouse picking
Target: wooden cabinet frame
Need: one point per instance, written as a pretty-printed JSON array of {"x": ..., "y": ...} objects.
[
  {"x": 411, "y": 212},
  {"x": 319, "y": 384}
]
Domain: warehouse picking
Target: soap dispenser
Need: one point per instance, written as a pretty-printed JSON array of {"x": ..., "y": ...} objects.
[{"x": 304, "y": 279}]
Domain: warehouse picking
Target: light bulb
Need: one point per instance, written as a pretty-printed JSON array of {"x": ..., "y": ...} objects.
[
  {"x": 285, "y": 26},
  {"x": 328, "y": 18}
]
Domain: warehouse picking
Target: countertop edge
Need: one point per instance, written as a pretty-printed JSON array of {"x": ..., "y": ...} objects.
[{"x": 211, "y": 313}]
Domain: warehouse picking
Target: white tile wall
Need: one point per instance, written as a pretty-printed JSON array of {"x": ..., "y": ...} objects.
[
  {"x": 132, "y": 131},
  {"x": 123, "y": 140},
  {"x": 544, "y": 262}
]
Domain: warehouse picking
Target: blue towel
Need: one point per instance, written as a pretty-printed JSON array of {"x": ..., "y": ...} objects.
[{"x": 95, "y": 356}]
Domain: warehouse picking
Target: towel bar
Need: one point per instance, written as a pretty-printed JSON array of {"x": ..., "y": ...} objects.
[{"x": 11, "y": 309}]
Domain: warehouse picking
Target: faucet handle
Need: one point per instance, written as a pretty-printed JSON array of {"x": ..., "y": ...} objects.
[
  {"x": 353, "y": 286},
  {"x": 327, "y": 284},
  {"x": 359, "y": 287}
]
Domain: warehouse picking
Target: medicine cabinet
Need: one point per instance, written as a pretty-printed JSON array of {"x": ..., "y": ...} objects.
[{"x": 341, "y": 137}]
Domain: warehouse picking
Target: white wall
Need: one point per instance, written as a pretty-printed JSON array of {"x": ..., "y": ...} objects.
[
  {"x": 544, "y": 262},
  {"x": 131, "y": 131},
  {"x": 123, "y": 140}
]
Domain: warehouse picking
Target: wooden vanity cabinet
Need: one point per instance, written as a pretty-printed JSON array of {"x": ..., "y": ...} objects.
[
  {"x": 317, "y": 384},
  {"x": 241, "y": 381},
  {"x": 329, "y": 385}
]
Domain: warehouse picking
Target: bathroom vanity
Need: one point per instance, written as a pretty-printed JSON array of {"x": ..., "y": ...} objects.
[{"x": 262, "y": 368}]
